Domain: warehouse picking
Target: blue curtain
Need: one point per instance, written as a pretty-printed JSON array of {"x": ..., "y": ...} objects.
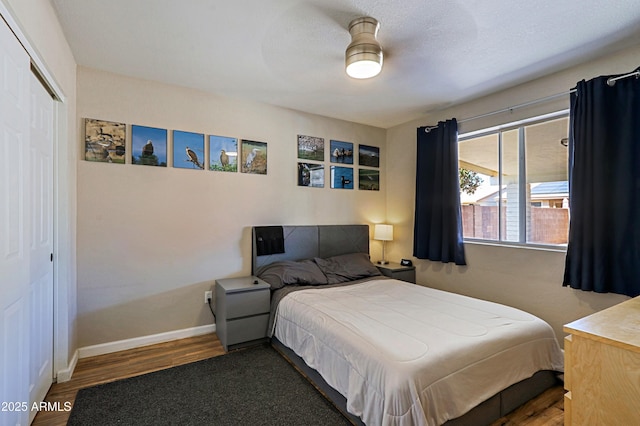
[
  {"x": 603, "y": 253},
  {"x": 437, "y": 232}
]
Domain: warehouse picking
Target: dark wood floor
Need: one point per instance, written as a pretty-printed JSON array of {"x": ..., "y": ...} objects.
[{"x": 543, "y": 410}]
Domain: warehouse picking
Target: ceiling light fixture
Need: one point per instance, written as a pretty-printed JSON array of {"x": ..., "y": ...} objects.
[{"x": 363, "y": 57}]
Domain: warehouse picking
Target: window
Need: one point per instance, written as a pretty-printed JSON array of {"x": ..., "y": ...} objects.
[{"x": 514, "y": 182}]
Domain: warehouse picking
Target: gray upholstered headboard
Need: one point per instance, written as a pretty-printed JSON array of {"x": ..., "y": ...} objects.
[{"x": 306, "y": 242}]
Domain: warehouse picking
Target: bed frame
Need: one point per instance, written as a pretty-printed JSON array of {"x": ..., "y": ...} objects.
[{"x": 305, "y": 242}]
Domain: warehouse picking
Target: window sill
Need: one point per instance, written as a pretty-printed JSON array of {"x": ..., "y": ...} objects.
[{"x": 557, "y": 248}]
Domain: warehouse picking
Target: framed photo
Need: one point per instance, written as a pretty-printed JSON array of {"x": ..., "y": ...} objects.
[
  {"x": 254, "y": 157},
  {"x": 341, "y": 152},
  {"x": 104, "y": 141},
  {"x": 341, "y": 177},
  {"x": 148, "y": 146},
  {"x": 224, "y": 153},
  {"x": 369, "y": 156},
  {"x": 310, "y": 148},
  {"x": 311, "y": 174},
  {"x": 369, "y": 179},
  {"x": 188, "y": 150}
]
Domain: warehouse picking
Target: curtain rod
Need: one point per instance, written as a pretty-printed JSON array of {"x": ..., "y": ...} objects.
[
  {"x": 509, "y": 109},
  {"x": 611, "y": 81},
  {"x": 526, "y": 104}
]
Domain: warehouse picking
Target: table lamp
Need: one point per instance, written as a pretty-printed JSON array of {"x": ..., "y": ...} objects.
[{"x": 383, "y": 233}]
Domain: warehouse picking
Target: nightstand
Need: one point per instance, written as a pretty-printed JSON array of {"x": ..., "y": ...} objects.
[
  {"x": 242, "y": 308},
  {"x": 398, "y": 272}
]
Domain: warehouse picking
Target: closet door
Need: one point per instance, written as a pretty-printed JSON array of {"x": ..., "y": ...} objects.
[
  {"x": 41, "y": 244},
  {"x": 15, "y": 227}
]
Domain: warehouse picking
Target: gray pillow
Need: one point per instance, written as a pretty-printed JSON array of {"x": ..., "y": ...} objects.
[
  {"x": 287, "y": 272},
  {"x": 347, "y": 267}
]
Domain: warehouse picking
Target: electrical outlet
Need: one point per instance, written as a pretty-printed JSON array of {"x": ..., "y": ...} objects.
[{"x": 208, "y": 295}]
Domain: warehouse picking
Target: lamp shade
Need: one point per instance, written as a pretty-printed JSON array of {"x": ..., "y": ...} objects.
[
  {"x": 363, "y": 58},
  {"x": 383, "y": 232}
]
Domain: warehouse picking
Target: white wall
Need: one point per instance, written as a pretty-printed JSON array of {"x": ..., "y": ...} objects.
[
  {"x": 38, "y": 22},
  {"x": 525, "y": 278},
  {"x": 151, "y": 240}
]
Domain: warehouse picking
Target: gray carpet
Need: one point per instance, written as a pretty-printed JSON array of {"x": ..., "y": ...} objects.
[{"x": 253, "y": 386}]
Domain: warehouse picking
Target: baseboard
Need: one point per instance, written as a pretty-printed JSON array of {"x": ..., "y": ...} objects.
[
  {"x": 65, "y": 374},
  {"x": 137, "y": 342}
]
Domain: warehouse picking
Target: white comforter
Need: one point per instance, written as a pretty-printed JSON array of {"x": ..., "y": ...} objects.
[{"x": 403, "y": 354}]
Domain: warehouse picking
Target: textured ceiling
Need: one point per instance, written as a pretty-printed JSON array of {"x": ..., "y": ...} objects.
[{"x": 291, "y": 52}]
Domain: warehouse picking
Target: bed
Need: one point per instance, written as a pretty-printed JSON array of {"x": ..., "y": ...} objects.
[{"x": 388, "y": 352}]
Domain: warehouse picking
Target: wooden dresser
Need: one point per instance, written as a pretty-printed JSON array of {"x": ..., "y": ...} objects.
[{"x": 602, "y": 367}]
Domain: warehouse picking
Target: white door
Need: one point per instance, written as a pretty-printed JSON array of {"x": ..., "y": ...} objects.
[
  {"x": 15, "y": 227},
  {"x": 41, "y": 246}
]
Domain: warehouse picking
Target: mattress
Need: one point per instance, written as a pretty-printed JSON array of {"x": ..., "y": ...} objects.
[{"x": 404, "y": 354}]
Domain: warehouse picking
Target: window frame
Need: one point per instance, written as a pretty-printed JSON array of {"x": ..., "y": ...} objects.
[{"x": 522, "y": 181}]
